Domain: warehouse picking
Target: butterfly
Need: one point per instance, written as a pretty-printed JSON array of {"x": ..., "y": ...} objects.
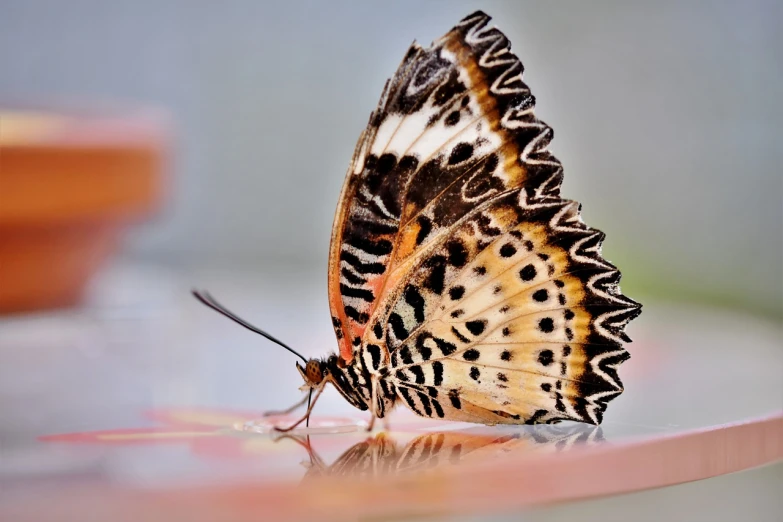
[{"x": 460, "y": 283}]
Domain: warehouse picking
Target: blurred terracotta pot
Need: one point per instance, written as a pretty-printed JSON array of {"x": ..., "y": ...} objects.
[{"x": 68, "y": 187}]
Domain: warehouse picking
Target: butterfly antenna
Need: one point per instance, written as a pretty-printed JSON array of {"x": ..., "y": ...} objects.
[
  {"x": 210, "y": 301},
  {"x": 309, "y": 398}
]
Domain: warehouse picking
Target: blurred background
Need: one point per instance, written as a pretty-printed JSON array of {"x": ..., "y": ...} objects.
[
  {"x": 226, "y": 129},
  {"x": 666, "y": 115}
]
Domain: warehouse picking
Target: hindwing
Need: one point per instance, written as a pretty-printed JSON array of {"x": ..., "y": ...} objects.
[{"x": 528, "y": 327}]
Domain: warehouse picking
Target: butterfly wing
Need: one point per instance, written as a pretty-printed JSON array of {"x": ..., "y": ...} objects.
[
  {"x": 529, "y": 328},
  {"x": 508, "y": 313},
  {"x": 454, "y": 127}
]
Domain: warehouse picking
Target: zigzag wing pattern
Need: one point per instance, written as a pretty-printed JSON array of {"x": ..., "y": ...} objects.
[
  {"x": 454, "y": 127},
  {"x": 525, "y": 324}
]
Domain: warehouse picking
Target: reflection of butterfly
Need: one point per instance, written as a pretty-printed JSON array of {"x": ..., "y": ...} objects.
[
  {"x": 382, "y": 455},
  {"x": 460, "y": 283}
]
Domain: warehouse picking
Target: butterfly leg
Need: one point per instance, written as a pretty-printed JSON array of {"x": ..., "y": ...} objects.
[
  {"x": 296, "y": 406},
  {"x": 373, "y": 405},
  {"x": 315, "y": 460},
  {"x": 309, "y": 409}
]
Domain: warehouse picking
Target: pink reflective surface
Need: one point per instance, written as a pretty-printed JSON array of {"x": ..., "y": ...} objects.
[{"x": 137, "y": 405}]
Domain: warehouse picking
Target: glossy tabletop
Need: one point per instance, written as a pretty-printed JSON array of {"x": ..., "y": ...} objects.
[{"x": 143, "y": 404}]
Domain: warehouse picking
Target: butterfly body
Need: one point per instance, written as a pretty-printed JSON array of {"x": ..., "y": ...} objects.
[
  {"x": 460, "y": 282},
  {"x": 354, "y": 382}
]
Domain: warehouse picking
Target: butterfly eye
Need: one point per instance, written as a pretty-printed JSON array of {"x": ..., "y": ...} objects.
[{"x": 313, "y": 371}]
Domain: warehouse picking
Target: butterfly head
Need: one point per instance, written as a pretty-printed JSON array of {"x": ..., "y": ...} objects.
[{"x": 312, "y": 372}]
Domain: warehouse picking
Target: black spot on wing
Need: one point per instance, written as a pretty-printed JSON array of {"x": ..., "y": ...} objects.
[
  {"x": 405, "y": 355},
  {"x": 425, "y": 227},
  {"x": 398, "y": 326},
  {"x": 437, "y": 275},
  {"x": 351, "y": 372},
  {"x": 446, "y": 348},
  {"x": 454, "y": 398},
  {"x": 366, "y": 227},
  {"x": 528, "y": 273},
  {"x": 471, "y": 355},
  {"x": 461, "y": 152},
  {"x": 379, "y": 247},
  {"x": 541, "y": 295},
  {"x": 355, "y": 382},
  {"x": 437, "y": 370},
  {"x": 452, "y": 119},
  {"x": 545, "y": 357},
  {"x": 458, "y": 254},
  {"x": 485, "y": 226},
  {"x": 508, "y": 250},
  {"x": 351, "y": 277},
  {"x": 546, "y": 325},
  {"x": 459, "y": 335},
  {"x": 425, "y": 403},
  {"x": 361, "y": 267},
  {"x": 375, "y": 353},
  {"x": 353, "y": 313},
  {"x": 559, "y": 405},
  {"x": 406, "y": 395},
  {"x": 438, "y": 409},
  {"x": 408, "y": 164},
  {"x": 418, "y": 373},
  {"x": 361, "y": 293},
  {"x": 386, "y": 163},
  {"x": 416, "y": 301},
  {"x": 456, "y": 292},
  {"x": 476, "y": 327},
  {"x": 424, "y": 350}
]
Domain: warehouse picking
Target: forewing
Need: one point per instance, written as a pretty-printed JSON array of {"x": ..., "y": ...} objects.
[{"x": 454, "y": 128}]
